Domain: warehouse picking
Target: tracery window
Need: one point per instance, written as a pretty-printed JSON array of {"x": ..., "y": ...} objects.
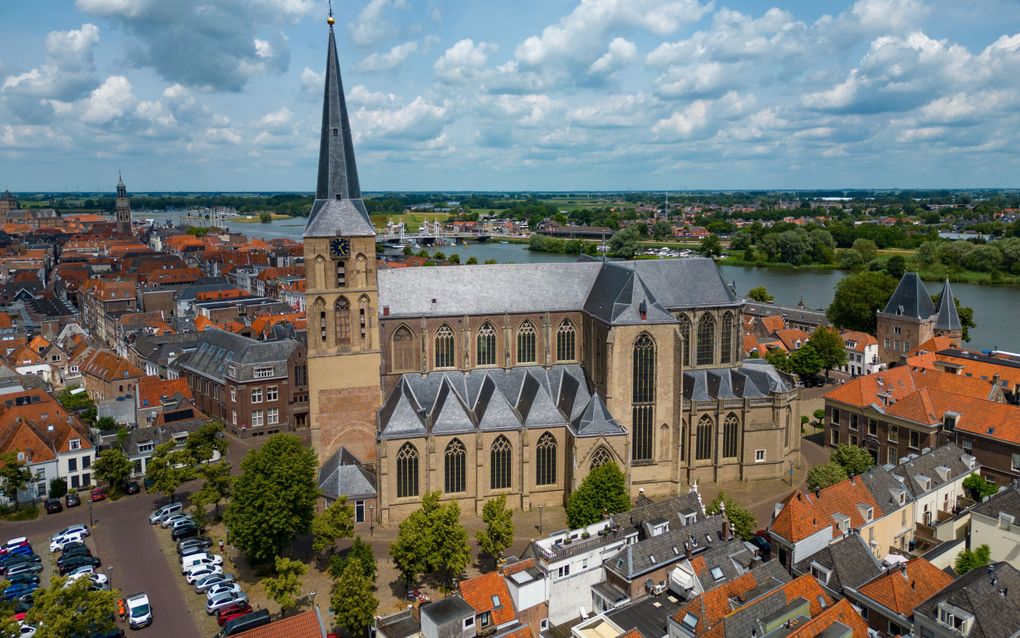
[
  {"x": 545, "y": 460},
  {"x": 703, "y": 445},
  {"x": 643, "y": 398},
  {"x": 600, "y": 457},
  {"x": 405, "y": 352},
  {"x": 320, "y": 310},
  {"x": 445, "y": 347},
  {"x": 731, "y": 432},
  {"x": 500, "y": 457},
  {"x": 727, "y": 338},
  {"x": 566, "y": 341},
  {"x": 456, "y": 468},
  {"x": 485, "y": 349},
  {"x": 526, "y": 342},
  {"x": 685, "y": 332},
  {"x": 706, "y": 340},
  {"x": 407, "y": 471},
  {"x": 343, "y": 322}
]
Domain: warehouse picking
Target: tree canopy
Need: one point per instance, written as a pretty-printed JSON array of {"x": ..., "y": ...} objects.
[
  {"x": 352, "y": 601},
  {"x": 829, "y": 347},
  {"x": 969, "y": 560},
  {"x": 332, "y": 524},
  {"x": 14, "y": 476},
  {"x": 979, "y": 487},
  {"x": 431, "y": 540},
  {"x": 168, "y": 468},
  {"x": 498, "y": 533},
  {"x": 854, "y": 460},
  {"x": 858, "y": 297},
  {"x": 760, "y": 294},
  {"x": 114, "y": 467},
  {"x": 603, "y": 491},
  {"x": 742, "y": 521},
  {"x": 74, "y": 610},
  {"x": 822, "y": 476},
  {"x": 284, "y": 587},
  {"x": 273, "y": 498}
]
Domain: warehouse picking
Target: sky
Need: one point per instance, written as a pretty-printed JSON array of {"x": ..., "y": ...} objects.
[{"x": 491, "y": 95}]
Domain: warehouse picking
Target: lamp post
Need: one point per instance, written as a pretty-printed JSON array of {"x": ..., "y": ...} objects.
[
  {"x": 541, "y": 508},
  {"x": 91, "y": 523},
  {"x": 110, "y": 577},
  {"x": 791, "y": 472},
  {"x": 371, "y": 521}
]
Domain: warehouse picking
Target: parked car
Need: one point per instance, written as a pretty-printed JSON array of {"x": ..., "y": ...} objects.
[
  {"x": 173, "y": 518},
  {"x": 98, "y": 494},
  {"x": 201, "y": 559},
  {"x": 78, "y": 561},
  {"x": 23, "y": 568},
  {"x": 203, "y": 541},
  {"x": 19, "y": 559},
  {"x": 23, "y": 578},
  {"x": 16, "y": 546},
  {"x": 202, "y": 570},
  {"x": 222, "y": 588},
  {"x": 71, "y": 499},
  {"x": 72, "y": 546},
  {"x": 227, "y": 614},
  {"x": 58, "y": 543},
  {"x": 53, "y": 506},
  {"x": 139, "y": 611},
  {"x": 19, "y": 589},
  {"x": 188, "y": 531},
  {"x": 245, "y": 623},
  {"x": 72, "y": 529},
  {"x": 26, "y": 631},
  {"x": 219, "y": 602},
  {"x": 192, "y": 550},
  {"x": 81, "y": 571},
  {"x": 165, "y": 511},
  {"x": 67, "y": 558},
  {"x": 203, "y": 584},
  {"x": 183, "y": 522},
  {"x": 132, "y": 487}
]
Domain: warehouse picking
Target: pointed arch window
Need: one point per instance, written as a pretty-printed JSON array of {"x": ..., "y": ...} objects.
[
  {"x": 407, "y": 471},
  {"x": 363, "y": 317},
  {"x": 500, "y": 457},
  {"x": 566, "y": 341},
  {"x": 600, "y": 457},
  {"x": 361, "y": 268},
  {"x": 342, "y": 310},
  {"x": 706, "y": 340},
  {"x": 485, "y": 345},
  {"x": 320, "y": 272},
  {"x": 445, "y": 347},
  {"x": 320, "y": 312},
  {"x": 731, "y": 434},
  {"x": 545, "y": 460},
  {"x": 405, "y": 354},
  {"x": 726, "y": 332},
  {"x": 456, "y": 468},
  {"x": 526, "y": 342},
  {"x": 703, "y": 444},
  {"x": 685, "y": 332},
  {"x": 341, "y": 274},
  {"x": 643, "y": 398}
]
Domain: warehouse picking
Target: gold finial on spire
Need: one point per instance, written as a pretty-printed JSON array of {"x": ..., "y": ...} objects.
[{"x": 330, "y": 20}]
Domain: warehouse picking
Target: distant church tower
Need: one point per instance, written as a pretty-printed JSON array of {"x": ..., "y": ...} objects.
[
  {"x": 123, "y": 208},
  {"x": 342, "y": 298}
]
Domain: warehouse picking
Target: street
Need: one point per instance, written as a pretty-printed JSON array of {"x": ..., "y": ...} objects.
[{"x": 127, "y": 545}]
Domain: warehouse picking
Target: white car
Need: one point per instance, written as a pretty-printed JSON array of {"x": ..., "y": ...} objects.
[
  {"x": 139, "y": 611},
  {"x": 71, "y": 529},
  {"x": 200, "y": 571},
  {"x": 203, "y": 584},
  {"x": 58, "y": 542},
  {"x": 222, "y": 588},
  {"x": 211, "y": 561},
  {"x": 164, "y": 511},
  {"x": 216, "y": 603},
  {"x": 25, "y": 631},
  {"x": 81, "y": 571},
  {"x": 173, "y": 518}
]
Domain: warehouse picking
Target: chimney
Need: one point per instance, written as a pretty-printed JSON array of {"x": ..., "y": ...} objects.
[
  {"x": 687, "y": 550},
  {"x": 818, "y": 493},
  {"x": 725, "y": 530}
]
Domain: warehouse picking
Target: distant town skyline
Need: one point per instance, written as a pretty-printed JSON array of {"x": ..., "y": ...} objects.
[{"x": 185, "y": 95}]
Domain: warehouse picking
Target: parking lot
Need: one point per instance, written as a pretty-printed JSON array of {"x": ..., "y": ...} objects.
[{"x": 131, "y": 553}]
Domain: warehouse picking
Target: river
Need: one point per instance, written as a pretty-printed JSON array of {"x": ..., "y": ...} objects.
[{"x": 995, "y": 307}]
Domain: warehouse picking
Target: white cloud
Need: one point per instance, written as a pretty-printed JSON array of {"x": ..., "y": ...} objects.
[
  {"x": 68, "y": 70},
  {"x": 311, "y": 81},
  {"x": 278, "y": 121},
  {"x": 360, "y": 95},
  {"x": 621, "y": 52},
  {"x": 884, "y": 16},
  {"x": 110, "y": 100},
  {"x": 371, "y": 26},
  {"x": 263, "y": 48},
  {"x": 419, "y": 120},
  {"x": 616, "y": 111},
  {"x": 685, "y": 123},
  {"x": 463, "y": 61},
  {"x": 390, "y": 59}
]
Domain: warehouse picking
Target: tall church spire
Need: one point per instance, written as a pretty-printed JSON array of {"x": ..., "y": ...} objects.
[
  {"x": 123, "y": 208},
  {"x": 948, "y": 319},
  {"x": 338, "y": 209}
]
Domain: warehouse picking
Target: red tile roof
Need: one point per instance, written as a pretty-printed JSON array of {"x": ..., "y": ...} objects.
[
  {"x": 804, "y": 514},
  {"x": 792, "y": 338},
  {"x": 304, "y": 625},
  {"x": 903, "y": 589},
  {"x": 895, "y": 384},
  {"x": 842, "y": 612},
  {"x": 109, "y": 367},
  {"x": 152, "y": 389},
  {"x": 483, "y": 592}
]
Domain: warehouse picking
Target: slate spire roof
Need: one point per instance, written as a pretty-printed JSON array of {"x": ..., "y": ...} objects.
[
  {"x": 949, "y": 318},
  {"x": 338, "y": 208},
  {"x": 911, "y": 299}
]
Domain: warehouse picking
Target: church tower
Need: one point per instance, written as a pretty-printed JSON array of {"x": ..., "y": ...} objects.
[
  {"x": 342, "y": 297},
  {"x": 123, "y": 208}
]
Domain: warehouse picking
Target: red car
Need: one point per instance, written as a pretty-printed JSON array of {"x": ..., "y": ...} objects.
[
  {"x": 231, "y": 612},
  {"x": 99, "y": 494}
]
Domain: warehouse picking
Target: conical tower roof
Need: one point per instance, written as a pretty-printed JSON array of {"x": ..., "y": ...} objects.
[
  {"x": 338, "y": 208},
  {"x": 911, "y": 299},
  {"x": 948, "y": 318}
]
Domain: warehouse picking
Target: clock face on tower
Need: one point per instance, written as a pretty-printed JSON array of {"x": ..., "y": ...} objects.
[{"x": 339, "y": 248}]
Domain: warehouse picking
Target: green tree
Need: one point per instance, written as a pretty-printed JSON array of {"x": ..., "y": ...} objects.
[
  {"x": 106, "y": 423},
  {"x": 742, "y": 521},
  {"x": 824, "y": 475},
  {"x": 284, "y": 587},
  {"x": 74, "y": 401},
  {"x": 359, "y": 551},
  {"x": 831, "y": 350},
  {"x": 454, "y": 258},
  {"x": 711, "y": 246},
  {"x": 216, "y": 487},
  {"x": 472, "y": 260},
  {"x": 499, "y": 527},
  {"x": 208, "y": 439},
  {"x": 407, "y": 251},
  {"x": 489, "y": 262},
  {"x": 896, "y": 266},
  {"x": 265, "y": 217},
  {"x": 855, "y": 460},
  {"x": 858, "y": 297},
  {"x": 979, "y": 487},
  {"x": 414, "y": 542},
  {"x": 851, "y": 259},
  {"x": 805, "y": 362},
  {"x": 114, "y": 467},
  {"x": 14, "y": 476},
  {"x": 624, "y": 243},
  {"x": 603, "y": 491},
  {"x": 352, "y": 602},
  {"x": 75, "y": 610},
  {"x": 968, "y": 560},
  {"x": 168, "y": 468},
  {"x": 273, "y": 498},
  {"x": 780, "y": 359},
  {"x": 450, "y": 551},
  {"x": 867, "y": 249},
  {"x": 332, "y": 524},
  {"x": 760, "y": 294},
  {"x": 58, "y": 487}
]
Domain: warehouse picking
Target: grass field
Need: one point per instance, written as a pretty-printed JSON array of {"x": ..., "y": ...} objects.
[{"x": 413, "y": 221}]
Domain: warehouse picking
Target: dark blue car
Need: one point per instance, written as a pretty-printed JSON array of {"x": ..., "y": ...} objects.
[{"x": 19, "y": 589}]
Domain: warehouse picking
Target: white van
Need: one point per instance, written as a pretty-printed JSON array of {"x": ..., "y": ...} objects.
[{"x": 195, "y": 560}]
